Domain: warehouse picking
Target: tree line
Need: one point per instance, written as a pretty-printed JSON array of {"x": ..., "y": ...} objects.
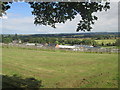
[{"x": 55, "y": 40}]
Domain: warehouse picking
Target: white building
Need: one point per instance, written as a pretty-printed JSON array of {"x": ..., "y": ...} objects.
[
  {"x": 30, "y": 44},
  {"x": 83, "y": 46},
  {"x": 64, "y": 46},
  {"x": 16, "y": 41},
  {"x": 39, "y": 45}
]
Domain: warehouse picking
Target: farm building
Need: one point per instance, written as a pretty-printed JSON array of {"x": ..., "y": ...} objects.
[
  {"x": 83, "y": 46},
  {"x": 39, "y": 45},
  {"x": 16, "y": 41},
  {"x": 64, "y": 47},
  {"x": 30, "y": 44},
  {"x": 76, "y": 47}
]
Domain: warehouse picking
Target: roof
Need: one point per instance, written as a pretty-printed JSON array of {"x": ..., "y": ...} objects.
[
  {"x": 85, "y": 46},
  {"x": 30, "y": 44},
  {"x": 65, "y": 46}
]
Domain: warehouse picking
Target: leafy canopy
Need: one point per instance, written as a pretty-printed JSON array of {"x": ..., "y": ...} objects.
[{"x": 50, "y": 13}]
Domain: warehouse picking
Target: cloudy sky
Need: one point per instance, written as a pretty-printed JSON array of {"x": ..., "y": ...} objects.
[{"x": 19, "y": 20}]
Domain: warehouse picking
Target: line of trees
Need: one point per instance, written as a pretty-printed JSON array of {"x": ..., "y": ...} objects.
[
  {"x": 52, "y": 40},
  {"x": 61, "y": 41},
  {"x": 8, "y": 38},
  {"x": 97, "y": 37}
]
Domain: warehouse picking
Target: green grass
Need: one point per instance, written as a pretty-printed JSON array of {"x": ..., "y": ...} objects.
[
  {"x": 105, "y": 41},
  {"x": 62, "y": 69},
  {"x": 113, "y": 47}
]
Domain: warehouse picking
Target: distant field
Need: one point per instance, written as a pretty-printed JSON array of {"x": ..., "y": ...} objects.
[
  {"x": 106, "y": 41},
  {"x": 62, "y": 69}
]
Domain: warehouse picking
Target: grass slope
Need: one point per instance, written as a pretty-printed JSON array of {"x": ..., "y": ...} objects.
[{"x": 62, "y": 69}]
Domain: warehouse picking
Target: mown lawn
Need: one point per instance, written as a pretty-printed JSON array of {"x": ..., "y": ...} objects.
[{"x": 62, "y": 69}]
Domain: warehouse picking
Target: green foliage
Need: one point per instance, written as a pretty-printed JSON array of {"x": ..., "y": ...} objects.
[
  {"x": 50, "y": 13},
  {"x": 15, "y": 37},
  {"x": 108, "y": 36},
  {"x": 3, "y": 7},
  {"x": 1, "y": 38},
  {"x": 62, "y": 41},
  {"x": 89, "y": 42},
  {"x": 117, "y": 43},
  {"x": 7, "y": 40},
  {"x": 106, "y": 42},
  {"x": 56, "y": 42}
]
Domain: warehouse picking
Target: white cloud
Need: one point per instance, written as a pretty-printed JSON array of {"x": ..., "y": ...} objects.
[
  {"x": 114, "y": 0},
  {"x": 25, "y": 25},
  {"x": 15, "y": 25},
  {"x": 108, "y": 21}
]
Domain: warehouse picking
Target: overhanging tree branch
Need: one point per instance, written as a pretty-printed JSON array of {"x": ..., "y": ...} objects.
[{"x": 50, "y": 13}]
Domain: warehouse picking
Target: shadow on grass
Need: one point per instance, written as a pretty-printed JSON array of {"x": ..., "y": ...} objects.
[{"x": 19, "y": 82}]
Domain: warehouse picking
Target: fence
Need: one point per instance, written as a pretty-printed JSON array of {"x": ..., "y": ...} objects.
[
  {"x": 91, "y": 50},
  {"x": 98, "y": 50}
]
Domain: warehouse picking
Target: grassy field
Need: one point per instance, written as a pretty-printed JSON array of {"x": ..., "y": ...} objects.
[
  {"x": 106, "y": 41},
  {"x": 62, "y": 69}
]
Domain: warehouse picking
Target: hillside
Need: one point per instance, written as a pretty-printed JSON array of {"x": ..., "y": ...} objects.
[{"x": 62, "y": 69}]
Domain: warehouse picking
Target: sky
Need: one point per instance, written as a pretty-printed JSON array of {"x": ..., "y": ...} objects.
[{"x": 20, "y": 20}]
